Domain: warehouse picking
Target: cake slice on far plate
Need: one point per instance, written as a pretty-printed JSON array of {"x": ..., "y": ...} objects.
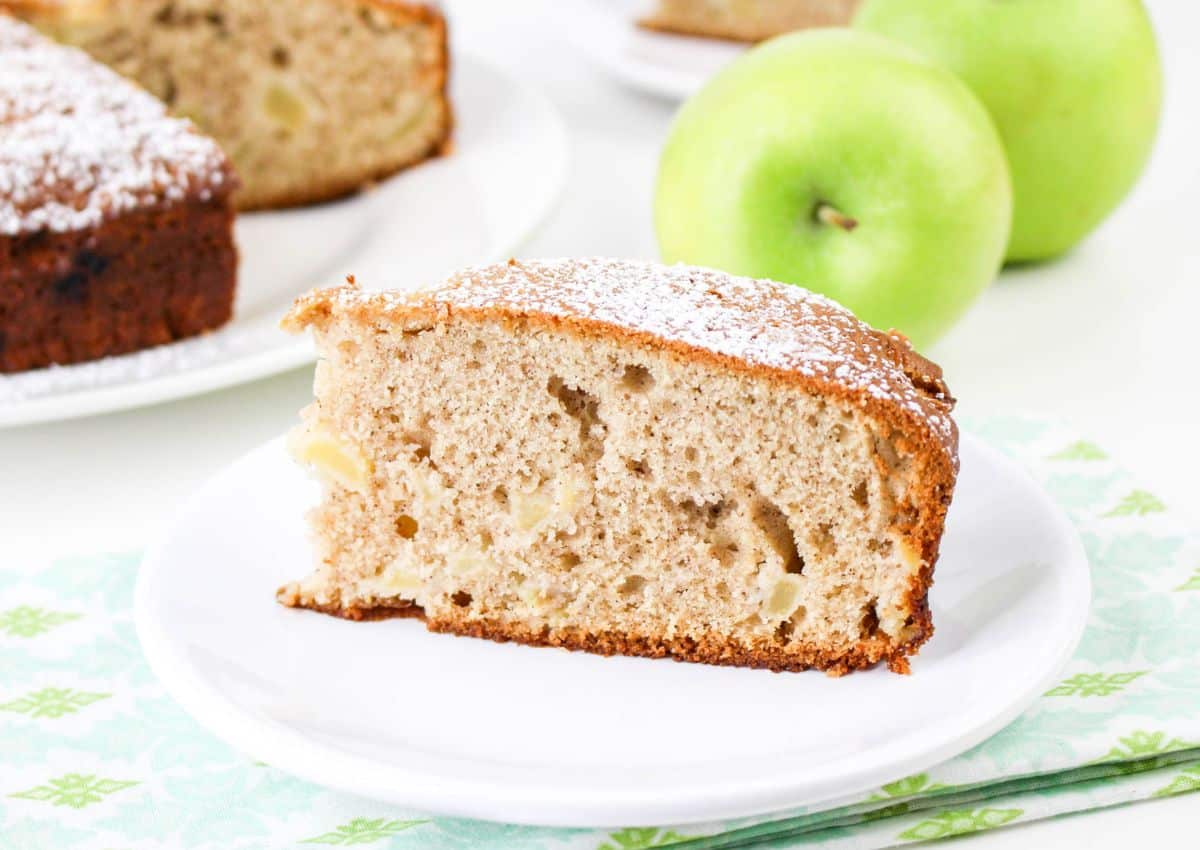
[
  {"x": 116, "y": 225},
  {"x": 623, "y": 457},
  {"x": 747, "y": 20}
]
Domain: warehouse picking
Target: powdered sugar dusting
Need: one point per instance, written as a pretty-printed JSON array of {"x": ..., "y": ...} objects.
[
  {"x": 79, "y": 144},
  {"x": 765, "y": 323}
]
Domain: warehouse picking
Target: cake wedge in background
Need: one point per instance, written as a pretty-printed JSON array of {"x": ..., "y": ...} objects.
[
  {"x": 116, "y": 226},
  {"x": 747, "y": 20},
  {"x": 311, "y": 99},
  {"x": 623, "y": 457}
]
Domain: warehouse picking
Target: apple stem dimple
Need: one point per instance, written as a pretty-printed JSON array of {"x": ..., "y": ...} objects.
[{"x": 827, "y": 214}]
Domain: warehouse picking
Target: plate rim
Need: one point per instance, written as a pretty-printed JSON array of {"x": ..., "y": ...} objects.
[
  {"x": 289, "y": 353},
  {"x": 642, "y": 76},
  {"x": 330, "y": 767}
]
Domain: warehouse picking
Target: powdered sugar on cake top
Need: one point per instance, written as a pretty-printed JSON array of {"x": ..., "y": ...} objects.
[
  {"x": 773, "y": 325},
  {"x": 79, "y": 144}
]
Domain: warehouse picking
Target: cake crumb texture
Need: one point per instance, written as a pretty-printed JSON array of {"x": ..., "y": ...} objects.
[{"x": 627, "y": 458}]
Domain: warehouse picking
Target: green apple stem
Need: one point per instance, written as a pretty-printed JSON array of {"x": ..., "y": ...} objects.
[{"x": 827, "y": 214}]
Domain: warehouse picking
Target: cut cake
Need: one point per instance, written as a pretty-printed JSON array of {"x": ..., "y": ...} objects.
[
  {"x": 624, "y": 457},
  {"x": 311, "y": 99}
]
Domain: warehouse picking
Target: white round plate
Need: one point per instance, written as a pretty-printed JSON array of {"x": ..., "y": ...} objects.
[
  {"x": 662, "y": 64},
  {"x": 467, "y": 727},
  {"x": 476, "y": 205}
]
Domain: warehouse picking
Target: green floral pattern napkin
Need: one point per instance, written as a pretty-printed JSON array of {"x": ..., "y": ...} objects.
[{"x": 95, "y": 756}]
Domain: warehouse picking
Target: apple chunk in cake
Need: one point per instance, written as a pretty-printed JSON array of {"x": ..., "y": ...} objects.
[{"x": 627, "y": 458}]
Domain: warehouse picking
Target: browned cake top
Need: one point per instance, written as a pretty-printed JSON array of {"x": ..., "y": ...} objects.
[
  {"x": 79, "y": 144},
  {"x": 773, "y": 328},
  {"x": 68, "y": 9}
]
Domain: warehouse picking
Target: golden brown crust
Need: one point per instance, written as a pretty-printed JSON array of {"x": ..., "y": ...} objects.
[
  {"x": 382, "y": 611},
  {"x": 802, "y": 342},
  {"x": 711, "y": 649},
  {"x": 67, "y": 10}
]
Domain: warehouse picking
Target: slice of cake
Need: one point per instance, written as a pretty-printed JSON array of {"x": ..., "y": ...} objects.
[
  {"x": 747, "y": 20},
  {"x": 116, "y": 227},
  {"x": 623, "y": 457},
  {"x": 311, "y": 99}
]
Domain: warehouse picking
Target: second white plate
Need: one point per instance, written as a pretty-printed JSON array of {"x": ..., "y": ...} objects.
[
  {"x": 504, "y": 732},
  {"x": 475, "y": 206},
  {"x": 662, "y": 64}
]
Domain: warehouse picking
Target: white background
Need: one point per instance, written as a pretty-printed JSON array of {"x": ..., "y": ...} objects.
[{"x": 1107, "y": 338}]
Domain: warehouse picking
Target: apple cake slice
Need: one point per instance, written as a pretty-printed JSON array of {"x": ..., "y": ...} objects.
[
  {"x": 747, "y": 20},
  {"x": 624, "y": 457}
]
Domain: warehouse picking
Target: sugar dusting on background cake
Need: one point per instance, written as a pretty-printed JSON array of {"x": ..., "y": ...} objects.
[{"x": 78, "y": 144}]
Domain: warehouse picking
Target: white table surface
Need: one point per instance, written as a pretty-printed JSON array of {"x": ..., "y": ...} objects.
[{"x": 1108, "y": 339}]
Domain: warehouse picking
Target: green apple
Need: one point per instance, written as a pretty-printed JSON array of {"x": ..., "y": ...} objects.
[
  {"x": 1075, "y": 89},
  {"x": 845, "y": 163}
]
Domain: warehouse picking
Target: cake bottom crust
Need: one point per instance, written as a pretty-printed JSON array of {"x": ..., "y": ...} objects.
[{"x": 711, "y": 649}]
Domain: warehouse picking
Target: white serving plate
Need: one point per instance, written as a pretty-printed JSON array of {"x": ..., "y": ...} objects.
[
  {"x": 498, "y": 731},
  {"x": 662, "y": 64},
  {"x": 477, "y": 205}
]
